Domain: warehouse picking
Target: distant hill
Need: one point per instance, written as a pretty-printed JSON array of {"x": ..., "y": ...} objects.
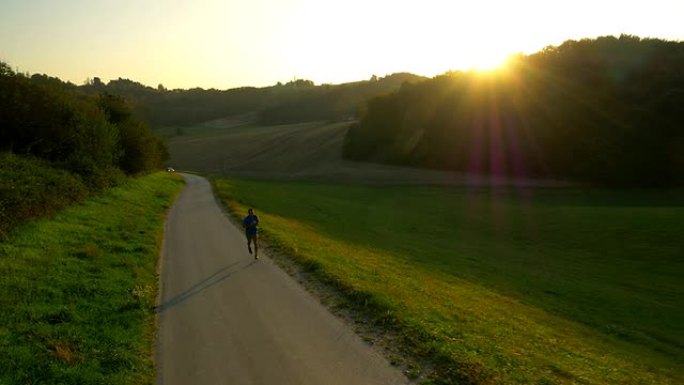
[
  {"x": 295, "y": 101},
  {"x": 332, "y": 102}
]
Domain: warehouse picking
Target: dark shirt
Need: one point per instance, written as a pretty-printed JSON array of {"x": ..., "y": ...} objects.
[{"x": 250, "y": 222}]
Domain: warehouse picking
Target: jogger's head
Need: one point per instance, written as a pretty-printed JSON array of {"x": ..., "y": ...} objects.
[{"x": 250, "y": 211}]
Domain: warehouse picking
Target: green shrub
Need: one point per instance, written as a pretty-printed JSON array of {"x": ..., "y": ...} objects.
[{"x": 31, "y": 188}]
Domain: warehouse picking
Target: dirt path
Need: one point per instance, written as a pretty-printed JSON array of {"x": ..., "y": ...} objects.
[{"x": 225, "y": 318}]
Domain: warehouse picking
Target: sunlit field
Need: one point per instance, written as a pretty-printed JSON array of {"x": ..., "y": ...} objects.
[{"x": 507, "y": 287}]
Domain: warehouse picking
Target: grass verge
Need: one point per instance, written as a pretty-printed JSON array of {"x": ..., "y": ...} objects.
[
  {"x": 77, "y": 290},
  {"x": 500, "y": 287}
]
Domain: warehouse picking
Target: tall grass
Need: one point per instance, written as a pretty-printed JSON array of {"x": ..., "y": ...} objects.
[
  {"x": 77, "y": 290},
  {"x": 501, "y": 287}
]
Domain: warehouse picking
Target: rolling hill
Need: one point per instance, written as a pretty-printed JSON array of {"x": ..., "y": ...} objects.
[{"x": 302, "y": 151}]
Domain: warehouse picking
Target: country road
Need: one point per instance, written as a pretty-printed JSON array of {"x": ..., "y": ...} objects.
[{"x": 225, "y": 318}]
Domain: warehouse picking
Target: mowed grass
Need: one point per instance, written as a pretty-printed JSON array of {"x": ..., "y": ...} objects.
[
  {"x": 77, "y": 290},
  {"x": 492, "y": 286}
]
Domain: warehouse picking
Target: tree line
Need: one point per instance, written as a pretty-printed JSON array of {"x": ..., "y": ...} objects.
[
  {"x": 58, "y": 145},
  {"x": 61, "y": 142},
  {"x": 331, "y": 102},
  {"x": 295, "y": 101},
  {"x": 606, "y": 111}
]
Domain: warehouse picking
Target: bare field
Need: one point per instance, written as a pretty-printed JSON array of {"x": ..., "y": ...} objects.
[{"x": 304, "y": 151}]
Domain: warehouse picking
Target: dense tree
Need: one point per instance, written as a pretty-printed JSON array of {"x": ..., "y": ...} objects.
[
  {"x": 606, "y": 111},
  {"x": 38, "y": 117},
  {"x": 48, "y": 119},
  {"x": 58, "y": 145},
  {"x": 140, "y": 149}
]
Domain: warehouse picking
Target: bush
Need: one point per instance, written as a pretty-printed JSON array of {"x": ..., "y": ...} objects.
[{"x": 30, "y": 188}]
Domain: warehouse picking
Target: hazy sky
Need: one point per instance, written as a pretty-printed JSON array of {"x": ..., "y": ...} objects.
[{"x": 232, "y": 43}]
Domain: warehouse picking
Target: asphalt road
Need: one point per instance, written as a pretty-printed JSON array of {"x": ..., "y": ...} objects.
[{"x": 225, "y": 318}]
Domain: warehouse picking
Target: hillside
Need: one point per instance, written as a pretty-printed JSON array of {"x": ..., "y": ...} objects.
[
  {"x": 310, "y": 151},
  {"x": 604, "y": 111}
]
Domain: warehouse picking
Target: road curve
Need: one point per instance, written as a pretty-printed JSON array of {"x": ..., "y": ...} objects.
[{"x": 225, "y": 318}]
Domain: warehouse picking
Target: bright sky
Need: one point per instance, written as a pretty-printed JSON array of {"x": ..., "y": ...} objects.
[{"x": 233, "y": 43}]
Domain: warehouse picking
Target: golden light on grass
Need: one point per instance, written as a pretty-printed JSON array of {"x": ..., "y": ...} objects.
[
  {"x": 495, "y": 298},
  {"x": 64, "y": 351}
]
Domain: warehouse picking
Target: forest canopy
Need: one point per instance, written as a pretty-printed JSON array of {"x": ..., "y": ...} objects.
[
  {"x": 608, "y": 111},
  {"x": 88, "y": 135}
]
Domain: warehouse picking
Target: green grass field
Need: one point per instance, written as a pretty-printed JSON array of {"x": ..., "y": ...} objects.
[
  {"x": 503, "y": 287},
  {"x": 77, "y": 290}
]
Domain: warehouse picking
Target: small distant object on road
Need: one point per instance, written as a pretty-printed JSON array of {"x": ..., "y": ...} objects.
[{"x": 170, "y": 169}]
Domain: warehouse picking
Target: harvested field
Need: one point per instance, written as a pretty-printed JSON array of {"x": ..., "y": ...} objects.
[{"x": 304, "y": 151}]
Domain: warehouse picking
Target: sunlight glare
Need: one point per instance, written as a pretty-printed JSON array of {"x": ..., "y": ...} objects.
[
  {"x": 486, "y": 61},
  {"x": 353, "y": 40}
]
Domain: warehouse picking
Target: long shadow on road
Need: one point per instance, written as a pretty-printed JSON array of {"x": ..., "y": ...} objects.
[{"x": 220, "y": 275}]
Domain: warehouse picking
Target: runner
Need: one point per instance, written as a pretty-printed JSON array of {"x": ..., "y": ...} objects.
[{"x": 250, "y": 223}]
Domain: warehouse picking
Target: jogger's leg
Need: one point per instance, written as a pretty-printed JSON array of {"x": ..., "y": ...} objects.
[{"x": 256, "y": 246}]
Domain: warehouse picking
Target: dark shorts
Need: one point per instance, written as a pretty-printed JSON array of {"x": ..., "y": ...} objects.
[{"x": 251, "y": 235}]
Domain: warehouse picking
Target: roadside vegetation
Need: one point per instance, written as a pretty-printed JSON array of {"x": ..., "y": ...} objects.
[
  {"x": 495, "y": 286},
  {"x": 77, "y": 290},
  {"x": 81, "y": 221},
  {"x": 58, "y": 146},
  {"x": 31, "y": 188}
]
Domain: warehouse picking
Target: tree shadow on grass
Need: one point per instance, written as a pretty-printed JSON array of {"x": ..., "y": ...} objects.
[{"x": 219, "y": 276}]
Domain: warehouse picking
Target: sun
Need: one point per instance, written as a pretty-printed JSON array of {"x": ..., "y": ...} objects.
[{"x": 485, "y": 61}]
